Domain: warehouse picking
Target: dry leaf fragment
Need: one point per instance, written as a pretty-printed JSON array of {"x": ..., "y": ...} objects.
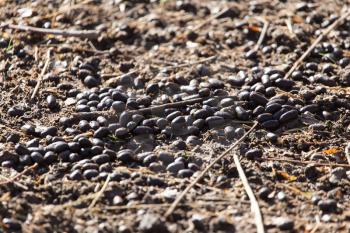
[
  {"x": 331, "y": 151},
  {"x": 254, "y": 28},
  {"x": 307, "y": 195},
  {"x": 285, "y": 176},
  {"x": 297, "y": 19}
]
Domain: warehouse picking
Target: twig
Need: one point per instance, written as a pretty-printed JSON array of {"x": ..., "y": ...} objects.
[
  {"x": 317, "y": 225},
  {"x": 92, "y": 46},
  {"x": 190, "y": 63},
  {"x": 205, "y": 22},
  {"x": 36, "y": 51},
  {"x": 307, "y": 162},
  {"x": 253, "y": 202},
  {"x": 161, "y": 107},
  {"x": 290, "y": 27},
  {"x": 15, "y": 182},
  {"x": 296, "y": 190},
  {"x": 262, "y": 34},
  {"x": 318, "y": 40},
  {"x": 43, "y": 71},
  {"x": 347, "y": 153},
  {"x": 150, "y": 110},
  {"x": 171, "y": 67},
  {"x": 13, "y": 179},
  {"x": 90, "y": 34},
  {"x": 99, "y": 194},
  {"x": 76, "y": 48},
  {"x": 117, "y": 75},
  {"x": 201, "y": 175},
  {"x": 201, "y": 202}
]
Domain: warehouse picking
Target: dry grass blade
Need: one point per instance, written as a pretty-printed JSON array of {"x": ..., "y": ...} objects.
[
  {"x": 43, "y": 71},
  {"x": 171, "y": 67},
  {"x": 202, "y": 174},
  {"x": 308, "y": 162},
  {"x": 149, "y": 110},
  {"x": 262, "y": 34},
  {"x": 317, "y": 41},
  {"x": 347, "y": 153},
  {"x": 90, "y": 34},
  {"x": 99, "y": 194},
  {"x": 22, "y": 186},
  {"x": 154, "y": 110},
  {"x": 318, "y": 224},
  {"x": 191, "y": 63},
  {"x": 118, "y": 76},
  {"x": 307, "y": 195},
  {"x": 253, "y": 202},
  {"x": 199, "y": 26},
  {"x": 13, "y": 179}
]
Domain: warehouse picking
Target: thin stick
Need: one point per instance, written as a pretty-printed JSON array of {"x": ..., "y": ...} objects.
[
  {"x": 190, "y": 63},
  {"x": 290, "y": 27},
  {"x": 76, "y": 48},
  {"x": 295, "y": 190},
  {"x": 15, "y": 182},
  {"x": 90, "y": 34},
  {"x": 262, "y": 34},
  {"x": 318, "y": 224},
  {"x": 43, "y": 71},
  {"x": 202, "y": 174},
  {"x": 202, "y": 202},
  {"x": 307, "y": 162},
  {"x": 117, "y": 75},
  {"x": 318, "y": 40},
  {"x": 347, "y": 153},
  {"x": 253, "y": 202},
  {"x": 166, "y": 67},
  {"x": 150, "y": 110},
  {"x": 99, "y": 194},
  {"x": 13, "y": 179},
  {"x": 205, "y": 22},
  {"x": 36, "y": 51}
]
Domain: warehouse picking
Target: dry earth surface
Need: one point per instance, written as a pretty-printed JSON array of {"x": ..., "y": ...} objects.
[{"x": 81, "y": 154}]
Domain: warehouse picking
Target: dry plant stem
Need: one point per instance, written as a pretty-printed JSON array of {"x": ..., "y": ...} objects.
[
  {"x": 190, "y": 63},
  {"x": 308, "y": 162},
  {"x": 15, "y": 182},
  {"x": 77, "y": 49},
  {"x": 347, "y": 153},
  {"x": 91, "y": 115},
  {"x": 13, "y": 179},
  {"x": 43, "y": 71},
  {"x": 150, "y": 110},
  {"x": 202, "y": 174},
  {"x": 90, "y": 34},
  {"x": 199, "y": 26},
  {"x": 161, "y": 107},
  {"x": 318, "y": 223},
  {"x": 294, "y": 189},
  {"x": 166, "y": 67},
  {"x": 262, "y": 34},
  {"x": 165, "y": 205},
  {"x": 155, "y": 109},
  {"x": 118, "y": 76},
  {"x": 317, "y": 41},
  {"x": 253, "y": 202},
  {"x": 99, "y": 194},
  {"x": 290, "y": 27}
]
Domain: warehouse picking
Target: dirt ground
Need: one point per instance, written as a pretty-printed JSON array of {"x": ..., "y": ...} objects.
[{"x": 63, "y": 170}]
